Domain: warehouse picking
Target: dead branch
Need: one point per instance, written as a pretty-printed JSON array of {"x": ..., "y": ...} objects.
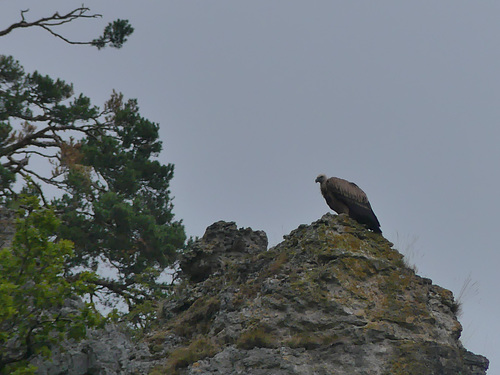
[{"x": 48, "y": 23}]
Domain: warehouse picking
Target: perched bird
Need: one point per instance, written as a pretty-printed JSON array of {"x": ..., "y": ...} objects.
[{"x": 346, "y": 197}]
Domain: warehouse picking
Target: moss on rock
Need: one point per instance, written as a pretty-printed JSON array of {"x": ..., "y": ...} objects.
[{"x": 332, "y": 298}]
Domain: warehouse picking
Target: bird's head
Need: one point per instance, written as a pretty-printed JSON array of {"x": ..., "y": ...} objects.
[{"x": 320, "y": 178}]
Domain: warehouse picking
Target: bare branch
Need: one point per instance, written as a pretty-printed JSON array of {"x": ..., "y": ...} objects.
[
  {"x": 114, "y": 35},
  {"x": 47, "y": 23},
  {"x": 20, "y": 164},
  {"x": 25, "y": 171},
  {"x": 116, "y": 287},
  {"x": 35, "y": 138},
  {"x": 63, "y": 38},
  {"x": 27, "y": 152}
]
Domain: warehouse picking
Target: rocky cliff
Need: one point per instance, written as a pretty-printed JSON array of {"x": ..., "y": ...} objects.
[{"x": 332, "y": 298}]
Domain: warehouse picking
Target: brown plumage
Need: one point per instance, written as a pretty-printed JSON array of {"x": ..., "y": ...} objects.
[{"x": 346, "y": 197}]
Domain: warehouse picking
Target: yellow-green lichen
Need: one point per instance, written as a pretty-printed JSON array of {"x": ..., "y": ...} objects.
[
  {"x": 258, "y": 336},
  {"x": 401, "y": 301},
  {"x": 308, "y": 289},
  {"x": 419, "y": 358},
  {"x": 196, "y": 319},
  {"x": 311, "y": 340},
  {"x": 198, "y": 349}
]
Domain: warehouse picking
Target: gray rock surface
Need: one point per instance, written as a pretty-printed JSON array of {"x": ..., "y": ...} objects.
[
  {"x": 333, "y": 298},
  {"x": 107, "y": 351},
  {"x": 221, "y": 241}
]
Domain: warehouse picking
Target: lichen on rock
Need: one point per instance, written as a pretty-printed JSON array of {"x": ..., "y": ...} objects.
[{"x": 333, "y": 297}]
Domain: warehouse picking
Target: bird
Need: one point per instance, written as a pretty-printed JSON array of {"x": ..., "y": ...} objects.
[{"x": 345, "y": 197}]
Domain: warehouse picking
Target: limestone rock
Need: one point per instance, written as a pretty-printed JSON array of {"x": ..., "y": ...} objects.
[
  {"x": 221, "y": 241},
  {"x": 107, "y": 351},
  {"x": 332, "y": 298}
]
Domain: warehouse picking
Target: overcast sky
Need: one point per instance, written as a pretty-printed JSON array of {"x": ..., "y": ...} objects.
[{"x": 256, "y": 98}]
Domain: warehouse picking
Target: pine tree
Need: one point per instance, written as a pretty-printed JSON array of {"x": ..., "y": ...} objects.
[
  {"x": 115, "y": 204},
  {"x": 112, "y": 193}
]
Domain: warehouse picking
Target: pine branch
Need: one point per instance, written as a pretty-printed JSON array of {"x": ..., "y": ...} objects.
[
  {"x": 47, "y": 23},
  {"x": 115, "y": 33}
]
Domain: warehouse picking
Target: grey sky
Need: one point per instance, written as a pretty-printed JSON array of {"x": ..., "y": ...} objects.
[{"x": 256, "y": 98}]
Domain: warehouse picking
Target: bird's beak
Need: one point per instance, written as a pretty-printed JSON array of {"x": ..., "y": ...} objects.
[{"x": 317, "y": 180}]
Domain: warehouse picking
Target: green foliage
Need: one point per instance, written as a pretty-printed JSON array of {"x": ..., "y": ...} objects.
[
  {"x": 115, "y": 34},
  {"x": 36, "y": 299},
  {"x": 120, "y": 196},
  {"x": 115, "y": 203},
  {"x": 35, "y": 97}
]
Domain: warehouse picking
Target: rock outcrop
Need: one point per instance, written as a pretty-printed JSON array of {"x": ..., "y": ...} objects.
[{"x": 333, "y": 298}]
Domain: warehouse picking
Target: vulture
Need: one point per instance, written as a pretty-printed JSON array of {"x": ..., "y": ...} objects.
[{"x": 346, "y": 197}]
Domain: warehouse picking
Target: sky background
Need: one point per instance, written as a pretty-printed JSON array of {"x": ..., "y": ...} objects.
[{"x": 255, "y": 99}]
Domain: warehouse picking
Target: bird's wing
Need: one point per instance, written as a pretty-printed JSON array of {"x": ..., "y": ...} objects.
[{"x": 347, "y": 191}]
